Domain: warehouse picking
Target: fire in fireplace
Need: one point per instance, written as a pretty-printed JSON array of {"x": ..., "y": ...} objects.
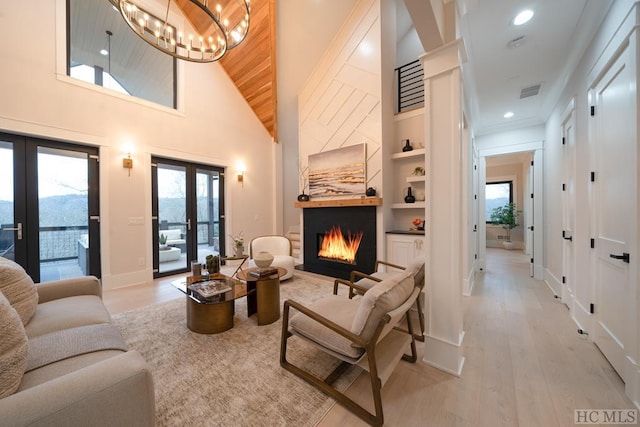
[{"x": 335, "y": 246}]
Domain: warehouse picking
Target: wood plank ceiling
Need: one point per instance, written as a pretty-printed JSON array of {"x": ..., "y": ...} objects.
[{"x": 252, "y": 64}]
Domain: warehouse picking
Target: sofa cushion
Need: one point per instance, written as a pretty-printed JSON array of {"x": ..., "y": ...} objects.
[
  {"x": 18, "y": 288},
  {"x": 379, "y": 300},
  {"x": 13, "y": 349},
  {"x": 67, "y": 313},
  {"x": 68, "y": 343},
  {"x": 64, "y": 367}
]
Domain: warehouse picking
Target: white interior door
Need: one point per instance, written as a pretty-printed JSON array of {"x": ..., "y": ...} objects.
[
  {"x": 568, "y": 209},
  {"x": 529, "y": 215},
  {"x": 615, "y": 210}
]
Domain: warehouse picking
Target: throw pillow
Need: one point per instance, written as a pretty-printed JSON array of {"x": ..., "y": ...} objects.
[
  {"x": 13, "y": 349},
  {"x": 18, "y": 288},
  {"x": 379, "y": 300}
]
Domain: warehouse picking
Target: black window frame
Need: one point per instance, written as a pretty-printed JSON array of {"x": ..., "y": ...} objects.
[{"x": 510, "y": 182}]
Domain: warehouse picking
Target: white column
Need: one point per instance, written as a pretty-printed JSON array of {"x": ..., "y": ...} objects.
[{"x": 445, "y": 144}]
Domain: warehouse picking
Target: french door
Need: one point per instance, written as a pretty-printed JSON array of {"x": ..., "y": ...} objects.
[
  {"x": 49, "y": 207},
  {"x": 187, "y": 213}
]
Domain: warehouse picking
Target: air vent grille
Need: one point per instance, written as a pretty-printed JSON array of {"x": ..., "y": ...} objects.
[{"x": 530, "y": 91}]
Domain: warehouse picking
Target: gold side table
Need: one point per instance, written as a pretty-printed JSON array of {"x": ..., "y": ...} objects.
[{"x": 263, "y": 295}]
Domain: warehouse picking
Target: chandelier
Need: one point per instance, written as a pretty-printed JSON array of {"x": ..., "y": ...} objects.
[{"x": 202, "y": 30}]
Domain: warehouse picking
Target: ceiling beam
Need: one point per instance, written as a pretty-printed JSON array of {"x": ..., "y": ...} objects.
[{"x": 429, "y": 20}]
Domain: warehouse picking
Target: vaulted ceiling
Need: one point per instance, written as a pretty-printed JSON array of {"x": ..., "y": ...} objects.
[{"x": 252, "y": 64}]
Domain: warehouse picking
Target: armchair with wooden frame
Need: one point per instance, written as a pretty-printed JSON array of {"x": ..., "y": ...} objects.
[
  {"x": 360, "y": 282},
  {"x": 358, "y": 331}
]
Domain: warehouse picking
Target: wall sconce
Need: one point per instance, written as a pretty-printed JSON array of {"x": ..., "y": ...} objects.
[
  {"x": 127, "y": 163},
  {"x": 241, "y": 177}
]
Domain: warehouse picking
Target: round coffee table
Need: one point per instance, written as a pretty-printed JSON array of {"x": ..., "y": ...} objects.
[
  {"x": 211, "y": 315},
  {"x": 263, "y": 294}
]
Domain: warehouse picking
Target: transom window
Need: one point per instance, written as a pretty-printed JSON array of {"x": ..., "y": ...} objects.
[{"x": 102, "y": 50}]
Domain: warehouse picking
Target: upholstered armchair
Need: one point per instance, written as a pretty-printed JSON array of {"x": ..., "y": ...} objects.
[
  {"x": 278, "y": 246},
  {"x": 358, "y": 331},
  {"x": 359, "y": 282}
]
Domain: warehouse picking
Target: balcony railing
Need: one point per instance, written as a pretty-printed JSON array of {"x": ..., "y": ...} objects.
[
  {"x": 410, "y": 86},
  {"x": 60, "y": 243}
]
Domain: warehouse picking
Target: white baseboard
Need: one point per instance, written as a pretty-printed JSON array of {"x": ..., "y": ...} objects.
[
  {"x": 552, "y": 282},
  {"x": 128, "y": 279},
  {"x": 444, "y": 355}
]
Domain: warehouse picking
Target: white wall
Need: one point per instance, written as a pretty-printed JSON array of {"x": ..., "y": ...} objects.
[{"x": 214, "y": 126}]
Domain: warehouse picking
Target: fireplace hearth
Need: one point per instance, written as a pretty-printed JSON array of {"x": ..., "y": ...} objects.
[{"x": 357, "y": 224}]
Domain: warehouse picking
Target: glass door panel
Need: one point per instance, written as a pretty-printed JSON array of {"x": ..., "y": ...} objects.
[
  {"x": 173, "y": 222},
  {"x": 187, "y": 208},
  {"x": 208, "y": 213},
  {"x": 49, "y": 207},
  {"x": 7, "y": 222},
  {"x": 63, "y": 207}
]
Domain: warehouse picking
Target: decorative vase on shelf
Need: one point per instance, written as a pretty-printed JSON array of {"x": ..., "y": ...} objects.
[
  {"x": 370, "y": 192},
  {"x": 409, "y": 197},
  {"x": 303, "y": 197},
  {"x": 407, "y": 146}
]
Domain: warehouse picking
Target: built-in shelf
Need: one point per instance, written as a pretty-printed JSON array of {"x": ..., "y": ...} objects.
[
  {"x": 420, "y": 178},
  {"x": 414, "y": 232},
  {"x": 408, "y": 154},
  {"x": 363, "y": 201},
  {"x": 417, "y": 205}
]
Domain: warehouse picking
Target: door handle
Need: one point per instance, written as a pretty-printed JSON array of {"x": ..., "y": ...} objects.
[
  {"x": 565, "y": 237},
  {"x": 624, "y": 257},
  {"x": 18, "y": 228},
  {"x": 189, "y": 224}
]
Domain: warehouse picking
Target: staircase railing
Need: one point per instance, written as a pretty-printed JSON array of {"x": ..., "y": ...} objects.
[{"x": 410, "y": 78}]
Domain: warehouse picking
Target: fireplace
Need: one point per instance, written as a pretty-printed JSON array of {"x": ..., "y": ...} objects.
[{"x": 332, "y": 233}]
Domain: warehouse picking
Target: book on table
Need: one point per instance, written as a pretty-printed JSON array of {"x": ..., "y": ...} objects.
[
  {"x": 210, "y": 288},
  {"x": 263, "y": 272}
]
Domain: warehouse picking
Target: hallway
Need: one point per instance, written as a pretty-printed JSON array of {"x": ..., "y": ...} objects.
[{"x": 525, "y": 364}]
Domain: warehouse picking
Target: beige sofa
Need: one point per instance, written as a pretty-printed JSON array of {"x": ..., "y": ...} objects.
[{"x": 102, "y": 385}]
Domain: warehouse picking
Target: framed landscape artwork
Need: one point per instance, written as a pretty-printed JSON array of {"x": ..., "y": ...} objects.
[{"x": 338, "y": 172}]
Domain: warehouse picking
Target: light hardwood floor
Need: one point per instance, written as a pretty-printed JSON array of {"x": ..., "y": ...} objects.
[{"x": 525, "y": 364}]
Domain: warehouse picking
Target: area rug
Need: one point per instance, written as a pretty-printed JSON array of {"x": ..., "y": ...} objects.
[{"x": 233, "y": 378}]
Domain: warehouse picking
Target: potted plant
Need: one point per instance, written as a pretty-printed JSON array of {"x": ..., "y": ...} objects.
[
  {"x": 163, "y": 242},
  {"x": 507, "y": 217}
]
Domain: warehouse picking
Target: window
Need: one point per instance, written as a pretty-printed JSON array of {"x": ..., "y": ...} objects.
[
  {"x": 102, "y": 50},
  {"x": 497, "y": 194}
]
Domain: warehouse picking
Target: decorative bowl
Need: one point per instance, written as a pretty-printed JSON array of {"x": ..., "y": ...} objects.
[{"x": 263, "y": 259}]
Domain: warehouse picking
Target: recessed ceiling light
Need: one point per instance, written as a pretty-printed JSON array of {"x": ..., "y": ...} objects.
[
  {"x": 104, "y": 52},
  {"x": 508, "y": 114},
  {"x": 523, "y": 17}
]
